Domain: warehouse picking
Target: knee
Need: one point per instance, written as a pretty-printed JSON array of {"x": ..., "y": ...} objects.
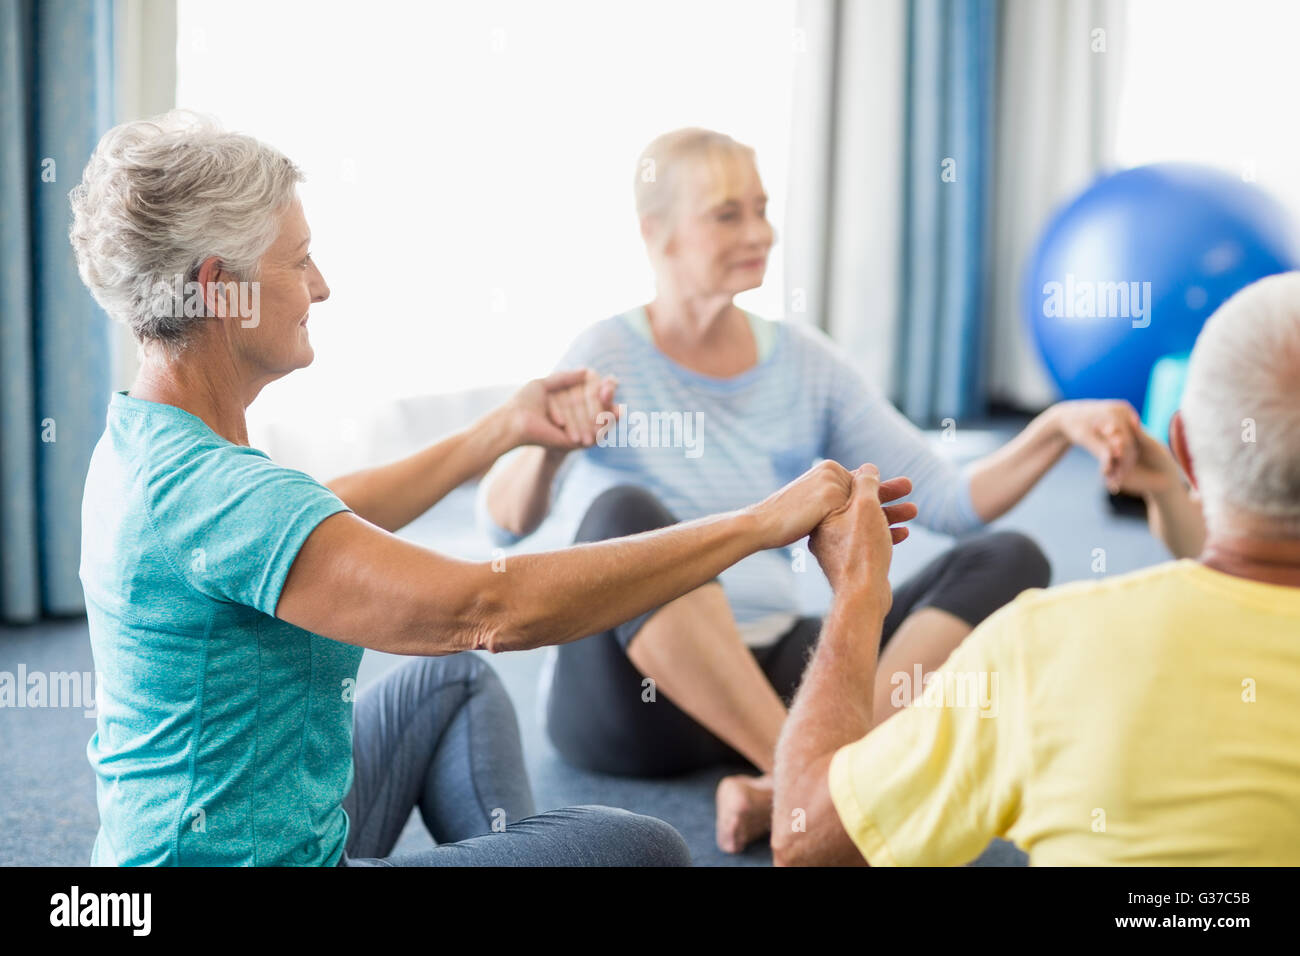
[
  {"x": 984, "y": 573},
  {"x": 1018, "y": 559},
  {"x": 431, "y": 674},
  {"x": 632, "y": 839},
  {"x": 621, "y": 511}
]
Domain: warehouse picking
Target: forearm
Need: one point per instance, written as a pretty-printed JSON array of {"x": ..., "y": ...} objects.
[
  {"x": 352, "y": 582},
  {"x": 1000, "y": 480},
  {"x": 559, "y": 596},
  {"x": 832, "y": 708},
  {"x": 1176, "y": 519},
  {"x": 520, "y": 495},
  {"x": 393, "y": 495}
]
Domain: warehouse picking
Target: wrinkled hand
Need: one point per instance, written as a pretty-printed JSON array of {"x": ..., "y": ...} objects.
[
  {"x": 854, "y": 544},
  {"x": 562, "y": 411},
  {"x": 1105, "y": 428},
  {"x": 584, "y": 407},
  {"x": 794, "y": 510}
]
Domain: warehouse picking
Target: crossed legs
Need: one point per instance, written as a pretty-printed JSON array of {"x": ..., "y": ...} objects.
[
  {"x": 725, "y": 702},
  {"x": 439, "y": 734}
]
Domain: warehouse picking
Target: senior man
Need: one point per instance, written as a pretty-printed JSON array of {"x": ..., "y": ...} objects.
[{"x": 1148, "y": 718}]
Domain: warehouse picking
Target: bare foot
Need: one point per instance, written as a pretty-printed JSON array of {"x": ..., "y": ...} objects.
[{"x": 744, "y": 810}]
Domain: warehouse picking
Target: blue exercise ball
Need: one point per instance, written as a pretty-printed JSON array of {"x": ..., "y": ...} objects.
[{"x": 1130, "y": 270}]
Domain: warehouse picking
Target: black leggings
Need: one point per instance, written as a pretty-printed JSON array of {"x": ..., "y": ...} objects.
[{"x": 595, "y": 714}]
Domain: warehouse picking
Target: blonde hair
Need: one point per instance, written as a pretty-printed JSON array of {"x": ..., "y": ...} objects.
[{"x": 670, "y": 161}]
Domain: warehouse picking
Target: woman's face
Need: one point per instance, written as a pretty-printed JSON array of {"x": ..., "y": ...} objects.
[
  {"x": 720, "y": 238},
  {"x": 275, "y": 342}
]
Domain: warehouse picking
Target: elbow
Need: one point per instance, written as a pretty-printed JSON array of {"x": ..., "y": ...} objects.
[
  {"x": 499, "y": 637},
  {"x": 967, "y": 510},
  {"x": 472, "y": 606},
  {"x": 802, "y": 815},
  {"x": 960, "y": 524},
  {"x": 792, "y": 847},
  {"x": 503, "y": 522},
  {"x": 503, "y": 530},
  {"x": 785, "y": 849},
  {"x": 968, "y": 515},
  {"x": 789, "y": 840},
  {"x": 488, "y": 624},
  {"x": 494, "y": 525},
  {"x": 501, "y": 617},
  {"x": 474, "y": 614}
]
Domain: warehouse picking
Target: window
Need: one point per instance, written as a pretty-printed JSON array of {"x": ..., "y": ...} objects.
[
  {"x": 1213, "y": 83},
  {"x": 470, "y": 165}
]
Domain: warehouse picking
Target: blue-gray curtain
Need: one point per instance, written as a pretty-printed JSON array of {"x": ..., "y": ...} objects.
[
  {"x": 55, "y": 347},
  {"x": 948, "y": 146}
]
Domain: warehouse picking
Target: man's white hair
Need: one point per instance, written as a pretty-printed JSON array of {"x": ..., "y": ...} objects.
[
  {"x": 1241, "y": 409},
  {"x": 157, "y": 198}
]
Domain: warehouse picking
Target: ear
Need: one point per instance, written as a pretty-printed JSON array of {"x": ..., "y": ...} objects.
[
  {"x": 1178, "y": 445},
  {"x": 652, "y": 233},
  {"x": 211, "y": 276}
]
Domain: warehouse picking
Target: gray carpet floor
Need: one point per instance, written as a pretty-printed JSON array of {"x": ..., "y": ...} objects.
[{"x": 47, "y": 797}]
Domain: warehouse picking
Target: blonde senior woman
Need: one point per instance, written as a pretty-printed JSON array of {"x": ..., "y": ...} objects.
[
  {"x": 762, "y": 399},
  {"x": 230, "y": 598}
]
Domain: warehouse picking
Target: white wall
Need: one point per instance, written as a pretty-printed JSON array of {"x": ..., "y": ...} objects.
[{"x": 145, "y": 38}]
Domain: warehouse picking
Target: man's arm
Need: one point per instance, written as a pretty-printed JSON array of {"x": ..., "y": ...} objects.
[
  {"x": 833, "y": 706},
  {"x": 936, "y": 782},
  {"x": 1173, "y": 512},
  {"x": 999, "y": 480},
  {"x": 355, "y": 583},
  {"x": 1175, "y": 517},
  {"x": 831, "y": 709}
]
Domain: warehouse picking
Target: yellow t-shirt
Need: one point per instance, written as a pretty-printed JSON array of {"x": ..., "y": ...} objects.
[{"x": 1152, "y": 718}]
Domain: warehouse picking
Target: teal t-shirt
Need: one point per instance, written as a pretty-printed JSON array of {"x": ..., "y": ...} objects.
[{"x": 224, "y": 735}]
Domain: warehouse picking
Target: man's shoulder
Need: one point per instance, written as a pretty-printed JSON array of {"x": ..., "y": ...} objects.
[
  {"x": 1089, "y": 598},
  {"x": 1051, "y": 626}
]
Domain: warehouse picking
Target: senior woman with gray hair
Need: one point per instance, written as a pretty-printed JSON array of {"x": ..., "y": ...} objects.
[{"x": 229, "y": 598}]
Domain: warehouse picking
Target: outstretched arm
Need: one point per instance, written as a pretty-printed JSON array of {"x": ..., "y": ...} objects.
[
  {"x": 1001, "y": 479},
  {"x": 1130, "y": 459},
  {"x": 393, "y": 495},
  {"x": 1173, "y": 510},
  {"x": 834, "y": 704},
  {"x": 354, "y": 583}
]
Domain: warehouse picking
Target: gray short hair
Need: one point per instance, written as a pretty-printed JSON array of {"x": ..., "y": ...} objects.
[
  {"x": 157, "y": 198},
  {"x": 1241, "y": 408}
]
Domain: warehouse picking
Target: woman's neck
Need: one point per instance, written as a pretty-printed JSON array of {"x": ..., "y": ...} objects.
[
  {"x": 204, "y": 383},
  {"x": 706, "y": 334}
]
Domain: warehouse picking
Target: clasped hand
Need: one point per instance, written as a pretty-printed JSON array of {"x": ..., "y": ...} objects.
[
  {"x": 854, "y": 543},
  {"x": 564, "y": 411}
]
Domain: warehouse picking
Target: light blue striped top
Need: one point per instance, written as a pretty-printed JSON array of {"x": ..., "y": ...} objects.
[{"x": 705, "y": 445}]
